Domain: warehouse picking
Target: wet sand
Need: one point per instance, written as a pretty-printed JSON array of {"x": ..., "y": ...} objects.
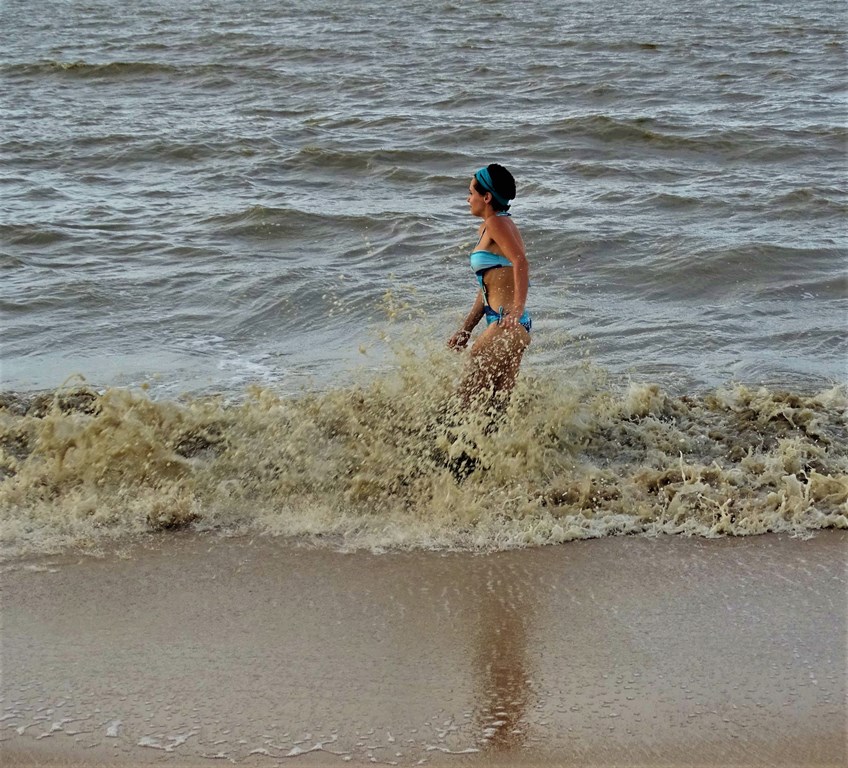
[{"x": 193, "y": 650}]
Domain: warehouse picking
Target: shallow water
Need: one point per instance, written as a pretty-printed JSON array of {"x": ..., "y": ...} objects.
[{"x": 617, "y": 652}]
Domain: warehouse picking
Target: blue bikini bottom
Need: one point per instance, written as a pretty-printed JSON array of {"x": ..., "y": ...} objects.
[{"x": 496, "y": 317}]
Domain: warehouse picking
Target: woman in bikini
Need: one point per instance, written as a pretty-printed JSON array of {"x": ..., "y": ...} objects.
[{"x": 500, "y": 265}]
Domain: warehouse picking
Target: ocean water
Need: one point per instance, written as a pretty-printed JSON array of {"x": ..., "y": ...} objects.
[{"x": 241, "y": 228}]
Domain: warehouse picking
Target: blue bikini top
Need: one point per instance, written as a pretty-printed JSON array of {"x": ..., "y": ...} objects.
[{"x": 483, "y": 260}]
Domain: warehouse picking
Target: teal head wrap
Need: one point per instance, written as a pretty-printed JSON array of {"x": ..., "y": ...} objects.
[{"x": 485, "y": 180}]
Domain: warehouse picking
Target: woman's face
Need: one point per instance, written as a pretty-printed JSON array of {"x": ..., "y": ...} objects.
[{"x": 476, "y": 202}]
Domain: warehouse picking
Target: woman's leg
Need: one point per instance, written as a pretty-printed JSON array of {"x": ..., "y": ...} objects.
[{"x": 495, "y": 359}]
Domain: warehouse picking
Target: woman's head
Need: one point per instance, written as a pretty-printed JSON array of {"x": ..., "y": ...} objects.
[{"x": 498, "y": 183}]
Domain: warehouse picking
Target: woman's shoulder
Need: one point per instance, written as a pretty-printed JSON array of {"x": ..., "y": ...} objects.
[
  {"x": 501, "y": 222},
  {"x": 504, "y": 231}
]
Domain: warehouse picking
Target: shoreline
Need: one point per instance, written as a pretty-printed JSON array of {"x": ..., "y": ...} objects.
[{"x": 197, "y": 650}]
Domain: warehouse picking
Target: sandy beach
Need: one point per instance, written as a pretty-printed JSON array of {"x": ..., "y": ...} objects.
[{"x": 193, "y": 650}]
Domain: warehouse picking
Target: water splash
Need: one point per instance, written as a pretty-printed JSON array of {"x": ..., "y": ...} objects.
[{"x": 389, "y": 463}]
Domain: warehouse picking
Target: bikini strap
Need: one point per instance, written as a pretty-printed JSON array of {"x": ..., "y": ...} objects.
[{"x": 497, "y": 213}]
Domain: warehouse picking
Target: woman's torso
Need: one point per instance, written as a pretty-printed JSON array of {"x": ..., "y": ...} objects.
[{"x": 499, "y": 281}]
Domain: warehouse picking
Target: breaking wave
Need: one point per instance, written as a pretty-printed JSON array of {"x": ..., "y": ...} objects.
[{"x": 389, "y": 462}]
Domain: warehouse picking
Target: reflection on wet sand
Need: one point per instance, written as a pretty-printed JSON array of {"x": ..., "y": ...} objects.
[{"x": 501, "y": 667}]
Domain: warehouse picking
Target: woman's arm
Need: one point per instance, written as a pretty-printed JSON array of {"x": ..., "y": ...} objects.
[
  {"x": 521, "y": 275},
  {"x": 460, "y": 338}
]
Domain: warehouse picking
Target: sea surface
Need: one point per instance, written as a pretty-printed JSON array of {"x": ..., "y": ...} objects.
[{"x": 235, "y": 238}]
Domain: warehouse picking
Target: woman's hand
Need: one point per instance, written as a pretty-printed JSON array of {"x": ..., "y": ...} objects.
[
  {"x": 459, "y": 339},
  {"x": 510, "y": 320}
]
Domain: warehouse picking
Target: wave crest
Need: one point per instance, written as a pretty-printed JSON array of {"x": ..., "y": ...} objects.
[
  {"x": 388, "y": 464},
  {"x": 89, "y": 69}
]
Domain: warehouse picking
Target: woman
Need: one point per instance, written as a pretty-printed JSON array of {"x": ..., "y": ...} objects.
[{"x": 501, "y": 267}]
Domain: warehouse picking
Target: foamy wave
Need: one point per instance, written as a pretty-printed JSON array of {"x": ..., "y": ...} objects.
[{"x": 389, "y": 464}]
